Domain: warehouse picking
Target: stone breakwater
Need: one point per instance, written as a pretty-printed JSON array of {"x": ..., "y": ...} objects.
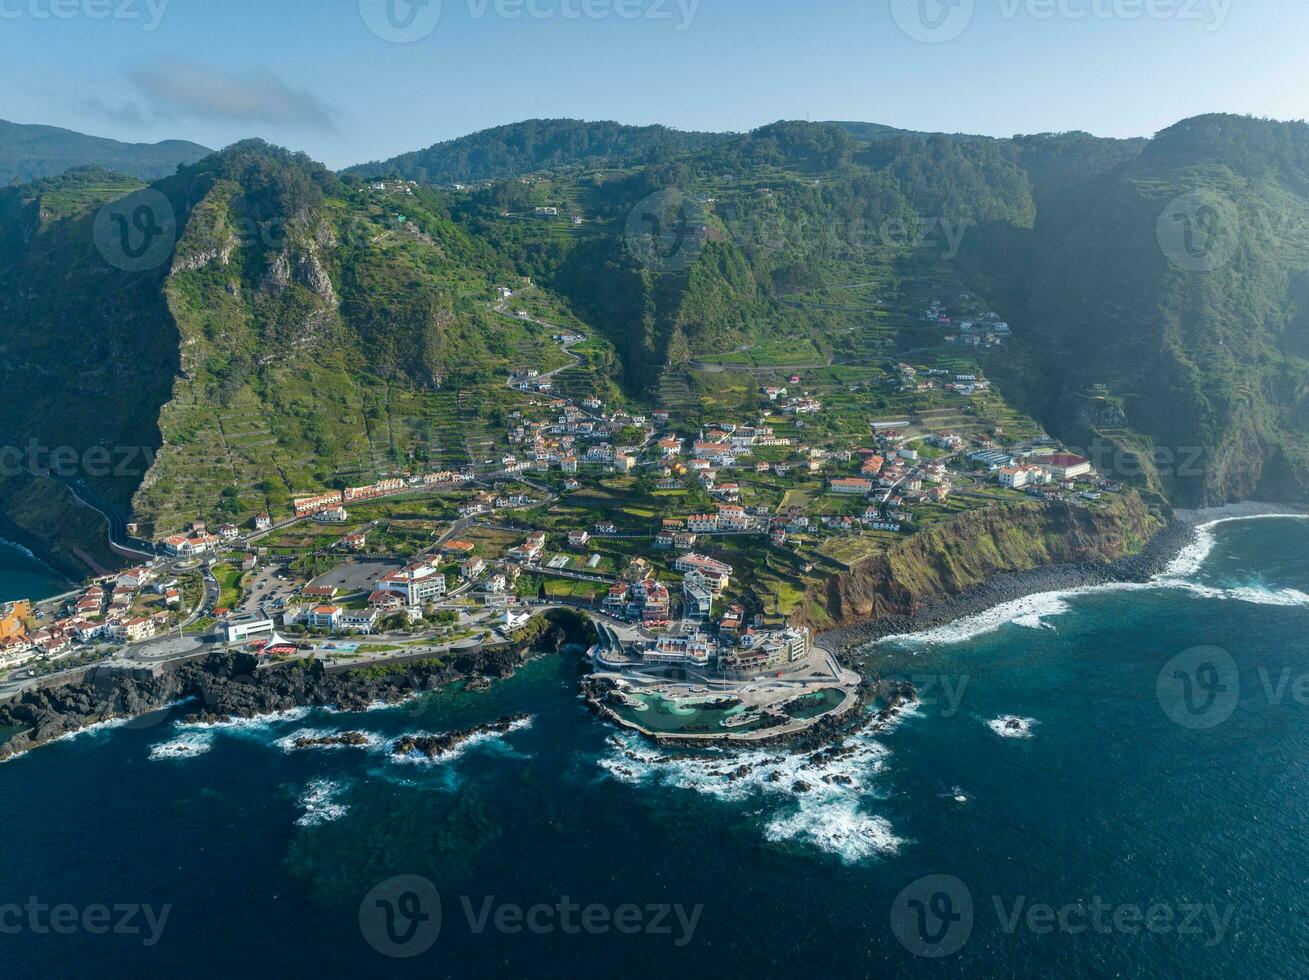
[
  {"x": 1152, "y": 561},
  {"x": 877, "y": 704},
  {"x": 228, "y": 686}
]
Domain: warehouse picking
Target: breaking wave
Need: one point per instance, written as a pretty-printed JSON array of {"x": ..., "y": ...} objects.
[
  {"x": 186, "y": 746},
  {"x": 321, "y": 804},
  {"x": 820, "y": 793}
]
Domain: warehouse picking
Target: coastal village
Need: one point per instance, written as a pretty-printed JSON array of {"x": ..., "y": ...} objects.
[{"x": 691, "y": 546}]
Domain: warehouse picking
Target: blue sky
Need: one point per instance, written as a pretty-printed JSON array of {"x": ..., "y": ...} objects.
[{"x": 313, "y": 75}]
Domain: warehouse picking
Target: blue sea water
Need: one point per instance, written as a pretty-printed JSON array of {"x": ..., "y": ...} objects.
[
  {"x": 1148, "y": 817},
  {"x": 23, "y": 576}
]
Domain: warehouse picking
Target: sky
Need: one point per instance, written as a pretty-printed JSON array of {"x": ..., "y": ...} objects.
[{"x": 349, "y": 81}]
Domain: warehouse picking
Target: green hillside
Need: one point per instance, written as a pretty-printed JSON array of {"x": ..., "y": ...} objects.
[
  {"x": 536, "y": 145},
  {"x": 31, "y": 152},
  {"x": 304, "y": 330}
]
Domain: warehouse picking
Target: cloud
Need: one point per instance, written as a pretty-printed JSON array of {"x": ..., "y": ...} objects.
[
  {"x": 177, "y": 89},
  {"x": 125, "y": 114}
]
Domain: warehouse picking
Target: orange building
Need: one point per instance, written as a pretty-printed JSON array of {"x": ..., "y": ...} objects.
[{"x": 13, "y": 618}]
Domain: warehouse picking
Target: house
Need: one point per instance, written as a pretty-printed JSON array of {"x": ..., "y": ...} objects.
[
  {"x": 458, "y": 548},
  {"x": 471, "y": 568},
  {"x": 136, "y": 630},
  {"x": 263, "y": 522},
  {"x": 680, "y": 651},
  {"x": 386, "y": 601},
  {"x": 1014, "y": 477},
  {"x": 568, "y": 464},
  {"x": 319, "y": 592},
  {"x": 729, "y": 627},
  {"x": 416, "y": 584},
  {"x": 854, "y": 487},
  {"x": 358, "y": 620},
  {"x": 135, "y": 578},
  {"x": 732, "y": 517},
  {"x": 624, "y": 463},
  {"x": 1065, "y": 466},
  {"x": 332, "y": 515},
  {"x": 702, "y": 523},
  {"x": 578, "y": 539},
  {"x": 530, "y": 550},
  {"x": 717, "y": 574},
  {"x": 697, "y": 597},
  {"x": 324, "y": 617},
  {"x": 229, "y": 532},
  {"x": 355, "y": 542}
]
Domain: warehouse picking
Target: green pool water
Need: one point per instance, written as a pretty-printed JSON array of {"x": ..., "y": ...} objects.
[
  {"x": 659, "y": 714},
  {"x": 818, "y": 703}
]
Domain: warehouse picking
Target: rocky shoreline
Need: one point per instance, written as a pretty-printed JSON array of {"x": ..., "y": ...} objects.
[
  {"x": 1151, "y": 562},
  {"x": 229, "y": 686}
]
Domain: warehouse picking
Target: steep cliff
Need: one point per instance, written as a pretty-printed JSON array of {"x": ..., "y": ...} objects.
[{"x": 958, "y": 555}]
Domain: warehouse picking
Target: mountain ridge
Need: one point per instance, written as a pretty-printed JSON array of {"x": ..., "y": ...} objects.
[{"x": 29, "y": 152}]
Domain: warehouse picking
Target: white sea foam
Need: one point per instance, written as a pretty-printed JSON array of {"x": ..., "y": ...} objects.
[
  {"x": 1033, "y": 611},
  {"x": 821, "y": 796},
  {"x": 321, "y": 803},
  {"x": 186, "y": 746},
  {"x": 287, "y": 742},
  {"x": 1030, "y": 611},
  {"x": 249, "y": 724},
  {"x": 839, "y": 828},
  {"x": 98, "y": 728},
  {"x": 1011, "y": 726}
]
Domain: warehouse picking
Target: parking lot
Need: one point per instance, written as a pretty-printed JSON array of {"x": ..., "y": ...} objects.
[
  {"x": 271, "y": 588},
  {"x": 356, "y": 576}
]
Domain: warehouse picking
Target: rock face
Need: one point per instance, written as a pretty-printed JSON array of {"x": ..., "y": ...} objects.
[
  {"x": 346, "y": 739},
  {"x": 949, "y": 559},
  {"x": 435, "y": 746},
  {"x": 227, "y": 686}
]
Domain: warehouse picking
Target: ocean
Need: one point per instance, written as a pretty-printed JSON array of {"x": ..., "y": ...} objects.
[
  {"x": 1108, "y": 782},
  {"x": 24, "y": 576}
]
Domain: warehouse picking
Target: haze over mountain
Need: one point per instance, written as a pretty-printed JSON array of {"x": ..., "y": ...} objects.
[
  {"x": 32, "y": 152},
  {"x": 537, "y": 144},
  {"x": 307, "y": 330}
]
